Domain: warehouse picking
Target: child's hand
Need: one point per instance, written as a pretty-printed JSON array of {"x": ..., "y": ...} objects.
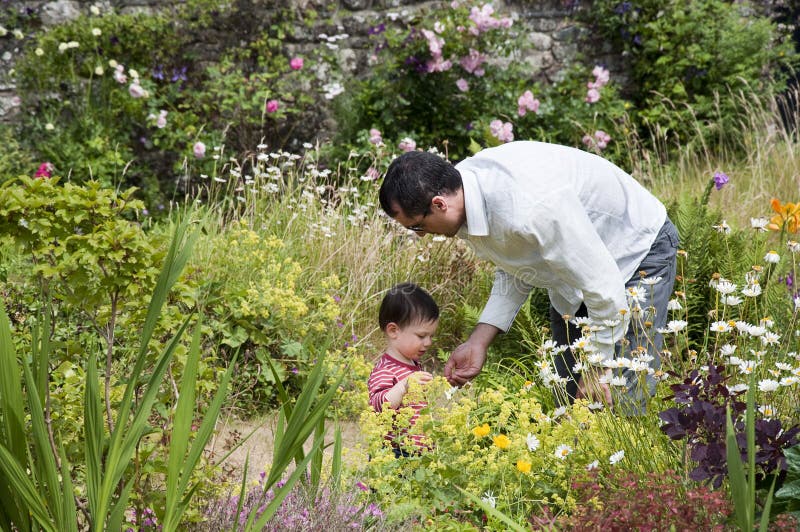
[{"x": 422, "y": 377}]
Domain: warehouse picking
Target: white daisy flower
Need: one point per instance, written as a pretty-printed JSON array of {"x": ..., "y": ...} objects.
[
  {"x": 619, "y": 381},
  {"x": 720, "y": 327},
  {"x": 650, "y": 281},
  {"x": 616, "y": 457},
  {"x": 790, "y": 381},
  {"x": 722, "y": 227},
  {"x": 770, "y": 338},
  {"x": 759, "y": 224},
  {"x": 768, "y": 385},
  {"x": 772, "y": 257},
  {"x": 562, "y": 451},
  {"x": 727, "y": 349},
  {"x": 752, "y": 290},
  {"x": 532, "y": 441},
  {"x": 747, "y": 366},
  {"x": 674, "y": 304},
  {"x": 489, "y": 499},
  {"x": 676, "y": 326},
  {"x": 767, "y": 410},
  {"x": 731, "y": 301},
  {"x": 725, "y": 287}
]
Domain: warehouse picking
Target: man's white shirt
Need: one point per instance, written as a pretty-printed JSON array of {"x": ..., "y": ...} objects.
[{"x": 559, "y": 218}]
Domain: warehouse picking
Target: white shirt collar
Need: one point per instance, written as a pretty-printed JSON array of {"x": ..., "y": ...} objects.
[{"x": 476, "y": 224}]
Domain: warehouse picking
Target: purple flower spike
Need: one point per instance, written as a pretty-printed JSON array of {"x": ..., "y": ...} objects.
[{"x": 720, "y": 180}]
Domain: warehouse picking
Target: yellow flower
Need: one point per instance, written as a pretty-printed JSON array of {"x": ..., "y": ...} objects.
[
  {"x": 501, "y": 441},
  {"x": 481, "y": 431},
  {"x": 523, "y": 466}
]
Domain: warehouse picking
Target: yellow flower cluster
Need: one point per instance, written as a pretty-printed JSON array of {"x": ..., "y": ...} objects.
[
  {"x": 511, "y": 439},
  {"x": 266, "y": 294}
]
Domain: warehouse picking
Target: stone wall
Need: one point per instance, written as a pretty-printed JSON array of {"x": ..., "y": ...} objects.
[{"x": 551, "y": 31}]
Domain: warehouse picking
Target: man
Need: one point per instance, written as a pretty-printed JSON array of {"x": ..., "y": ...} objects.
[{"x": 553, "y": 217}]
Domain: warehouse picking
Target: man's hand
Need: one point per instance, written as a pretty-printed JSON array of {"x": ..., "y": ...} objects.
[
  {"x": 589, "y": 387},
  {"x": 467, "y": 360},
  {"x": 465, "y": 363}
]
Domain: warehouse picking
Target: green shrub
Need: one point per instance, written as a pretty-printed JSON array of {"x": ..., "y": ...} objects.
[{"x": 689, "y": 61}]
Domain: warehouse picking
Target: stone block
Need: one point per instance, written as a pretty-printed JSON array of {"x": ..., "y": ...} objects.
[{"x": 58, "y": 12}]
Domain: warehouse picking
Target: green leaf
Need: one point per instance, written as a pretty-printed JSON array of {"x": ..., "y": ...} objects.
[
  {"x": 789, "y": 490},
  {"x": 24, "y": 488},
  {"x": 738, "y": 483}
]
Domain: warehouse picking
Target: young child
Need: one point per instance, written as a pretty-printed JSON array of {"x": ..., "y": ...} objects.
[{"x": 408, "y": 317}]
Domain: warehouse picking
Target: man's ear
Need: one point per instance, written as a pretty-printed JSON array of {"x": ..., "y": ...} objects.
[{"x": 439, "y": 203}]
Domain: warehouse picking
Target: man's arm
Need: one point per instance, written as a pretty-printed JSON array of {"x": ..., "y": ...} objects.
[{"x": 468, "y": 358}]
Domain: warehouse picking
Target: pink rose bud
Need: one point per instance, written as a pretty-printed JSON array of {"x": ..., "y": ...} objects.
[
  {"x": 296, "y": 63},
  {"x": 272, "y": 106}
]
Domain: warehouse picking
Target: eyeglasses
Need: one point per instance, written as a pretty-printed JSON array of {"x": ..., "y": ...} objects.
[{"x": 417, "y": 227}]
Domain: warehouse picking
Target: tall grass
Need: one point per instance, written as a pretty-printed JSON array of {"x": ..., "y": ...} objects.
[
  {"x": 759, "y": 153},
  {"x": 330, "y": 223}
]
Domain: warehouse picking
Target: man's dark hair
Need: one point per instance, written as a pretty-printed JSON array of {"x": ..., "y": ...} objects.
[
  {"x": 407, "y": 303},
  {"x": 413, "y": 179}
]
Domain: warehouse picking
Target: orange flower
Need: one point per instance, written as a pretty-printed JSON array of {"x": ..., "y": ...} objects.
[{"x": 788, "y": 216}]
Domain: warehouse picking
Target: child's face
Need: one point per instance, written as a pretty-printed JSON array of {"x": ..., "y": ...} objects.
[{"x": 411, "y": 341}]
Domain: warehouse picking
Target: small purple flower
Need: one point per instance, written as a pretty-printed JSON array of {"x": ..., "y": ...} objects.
[
  {"x": 363, "y": 487},
  {"x": 178, "y": 74},
  {"x": 720, "y": 180},
  {"x": 375, "y": 30}
]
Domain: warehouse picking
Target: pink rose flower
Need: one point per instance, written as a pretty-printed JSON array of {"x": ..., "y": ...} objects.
[
  {"x": 272, "y": 106},
  {"x": 199, "y": 149},
  {"x": 375, "y": 136},
  {"x": 526, "y": 103},
  {"x": 592, "y": 95},
  {"x": 462, "y": 85},
  {"x": 601, "y": 76},
  {"x": 502, "y": 131},
  {"x": 602, "y": 138},
  {"x": 407, "y": 144},
  {"x": 296, "y": 63},
  {"x": 472, "y": 62}
]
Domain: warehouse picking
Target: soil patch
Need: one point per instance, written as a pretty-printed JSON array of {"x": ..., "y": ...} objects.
[{"x": 256, "y": 437}]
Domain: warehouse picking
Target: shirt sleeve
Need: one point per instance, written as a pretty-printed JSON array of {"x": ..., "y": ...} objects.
[
  {"x": 577, "y": 255},
  {"x": 380, "y": 382},
  {"x": 507, "y": 296}
]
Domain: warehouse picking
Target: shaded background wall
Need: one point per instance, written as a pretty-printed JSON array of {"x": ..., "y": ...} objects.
[{"x": 548, "y": 26}]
